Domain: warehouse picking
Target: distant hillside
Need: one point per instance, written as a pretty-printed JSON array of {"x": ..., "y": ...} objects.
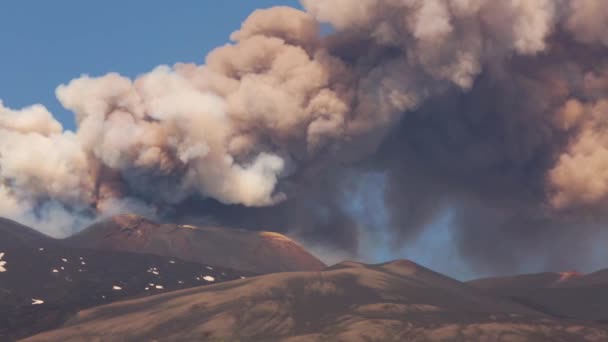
[
  {"x": 567, "y": 294},
  {"x": 258, "y": 252}
]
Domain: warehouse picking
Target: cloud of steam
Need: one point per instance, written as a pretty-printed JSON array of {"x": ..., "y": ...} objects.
[{"x": 493, "y": 110}]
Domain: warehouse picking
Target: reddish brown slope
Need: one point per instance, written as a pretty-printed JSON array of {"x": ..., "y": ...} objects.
[
  {"x": 44, "y": 282},
  {"x": 398, "y": 301},
  {"x": 258, "y": 252}
]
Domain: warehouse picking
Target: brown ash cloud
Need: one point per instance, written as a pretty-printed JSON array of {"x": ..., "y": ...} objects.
[{"x": 493, "y": 110}]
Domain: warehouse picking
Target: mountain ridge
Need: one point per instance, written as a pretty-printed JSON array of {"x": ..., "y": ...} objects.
[
  {"x": 395, "y": 301},
  {"x": 257, "y": 252},
  {"x": 44, "y": 282}
]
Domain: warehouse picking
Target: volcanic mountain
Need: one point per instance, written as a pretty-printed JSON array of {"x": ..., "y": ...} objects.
[
  {"x": 564, "y": 294},
  {"x": 258, "y": 252},
  {"x": 43, "y": 282},
  {"x": 397, "y": 301},
  {"x": 60, "y": 284}
]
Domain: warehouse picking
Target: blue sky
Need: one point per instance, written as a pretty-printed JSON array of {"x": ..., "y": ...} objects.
[{"x": 46, "y": 43}]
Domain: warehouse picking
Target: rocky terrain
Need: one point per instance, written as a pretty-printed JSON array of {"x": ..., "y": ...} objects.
[
  {"x": 566, "y": 294},
  {"x": 130, "y": 279},
  {"x": 43, "y": 282},
  {"x": 397, "y": 301},
  {"x": 258, "y": 252}
]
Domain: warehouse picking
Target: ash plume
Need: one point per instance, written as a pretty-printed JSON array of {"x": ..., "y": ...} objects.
[{"x": 493, "y": 110}]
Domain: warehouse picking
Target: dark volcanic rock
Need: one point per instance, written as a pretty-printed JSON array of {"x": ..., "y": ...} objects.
[
  {"x": 258, "y": 252},
  {"x": 46, "y": 282}
]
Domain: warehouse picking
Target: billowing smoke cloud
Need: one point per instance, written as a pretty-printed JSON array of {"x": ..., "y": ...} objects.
[{"x": 492, "y": 110}]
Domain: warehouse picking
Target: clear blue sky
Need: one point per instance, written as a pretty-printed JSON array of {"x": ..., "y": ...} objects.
[{"x": 46, "y": 43}]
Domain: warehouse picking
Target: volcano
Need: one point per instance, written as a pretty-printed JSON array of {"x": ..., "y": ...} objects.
[
  {"x": 100, "y": 291},
  {"x": 257, "y": 252},
  {"x": 396, "y": 301}
]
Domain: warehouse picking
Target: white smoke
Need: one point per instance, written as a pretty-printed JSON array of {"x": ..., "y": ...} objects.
[{"x": 282, "y": 99}]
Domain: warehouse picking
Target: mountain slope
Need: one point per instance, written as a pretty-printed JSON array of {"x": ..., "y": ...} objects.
[
  {"x": 398, "y": 301},
  {"x": 567, "y": 294},
  {"x": 45, "y": 282},
  {"x": 258, "y": 252},
  {"x": 20, "y": 235}
]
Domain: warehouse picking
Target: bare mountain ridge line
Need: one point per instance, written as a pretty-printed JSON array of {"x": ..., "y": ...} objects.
[
  {"x": 257, "y": 252},
  {"x": 45, "y": 282},
  {"x": 566, "y": 295},
  {"x": 104, "y": 269},
  {"x": 350, "y": 301}
]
